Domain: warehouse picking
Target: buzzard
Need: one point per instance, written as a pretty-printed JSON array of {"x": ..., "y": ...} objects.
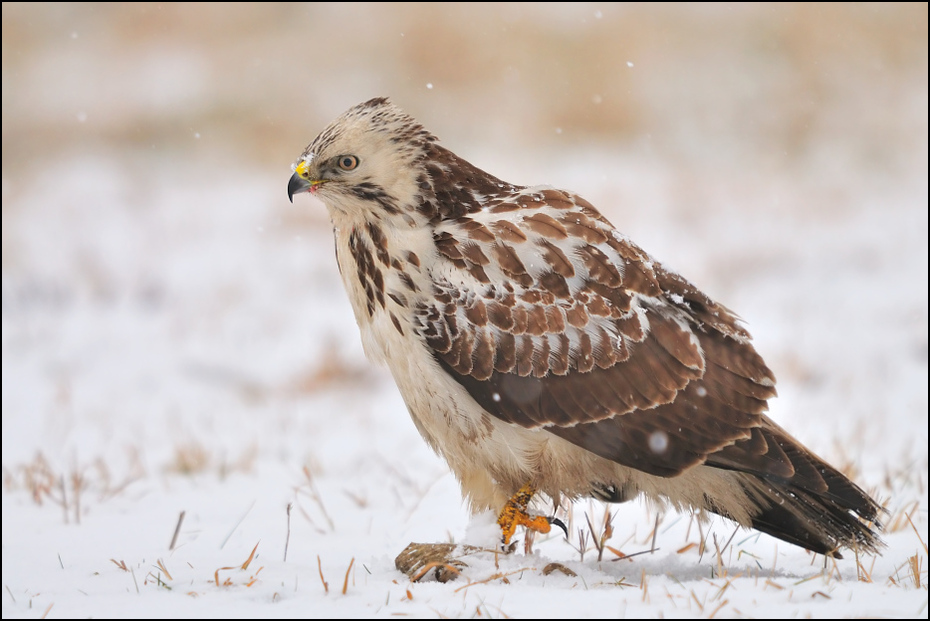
[{"x": 539, "y": 350}]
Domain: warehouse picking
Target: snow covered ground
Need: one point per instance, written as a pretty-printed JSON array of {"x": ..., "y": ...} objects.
[{"x": 176, "y": 342}]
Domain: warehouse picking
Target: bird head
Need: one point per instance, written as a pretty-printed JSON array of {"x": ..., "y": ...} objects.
[{"x": 367, "y": 158}]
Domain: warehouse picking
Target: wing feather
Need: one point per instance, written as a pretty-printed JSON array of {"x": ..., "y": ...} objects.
[{"x": 595, "y": 342}]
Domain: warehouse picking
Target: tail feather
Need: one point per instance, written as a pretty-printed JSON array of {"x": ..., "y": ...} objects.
[
  {"x": 799, "y": 497},
  {"x": 809, "y": 520}
]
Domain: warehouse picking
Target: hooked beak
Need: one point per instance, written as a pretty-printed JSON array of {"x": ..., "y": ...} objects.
[
  {"x": 301, "y": 180},
  {"x": 296, "y": 185}
]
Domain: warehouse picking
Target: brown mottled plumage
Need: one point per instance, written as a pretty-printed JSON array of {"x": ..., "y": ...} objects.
[{"x": 533, "y": 343}]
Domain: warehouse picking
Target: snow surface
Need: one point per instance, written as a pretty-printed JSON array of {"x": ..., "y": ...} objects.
[{"x": 176, "y": 338}]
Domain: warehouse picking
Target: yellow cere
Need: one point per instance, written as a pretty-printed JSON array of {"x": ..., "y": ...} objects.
[{"x": 302, "y": 168}]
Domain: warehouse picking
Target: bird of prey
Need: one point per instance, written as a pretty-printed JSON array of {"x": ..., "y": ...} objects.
[{"x": 539, "y": 350}]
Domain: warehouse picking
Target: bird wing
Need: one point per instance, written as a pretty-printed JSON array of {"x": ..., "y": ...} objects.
[{"x": 551, "y": 319}]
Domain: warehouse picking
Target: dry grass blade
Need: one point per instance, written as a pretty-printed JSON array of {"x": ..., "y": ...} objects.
[
  {"x": 807, "y": 579},
  {"x": 834, "y": 569},
  {"x": 717, "y": 609},
  {"x": 697, "y": 601},
  {"x": 216, "y": 574},
  {"x": 161, "y": 566},
  {"x": 315, "y": 495},
  {"x": 319, "y": 566},
  {"x": 914, "y": 564},
  {"x": 345, "y": 584},
  {"x": 244, "y": 515},
  {"x": 121, "y": 564},
  {"x": 911, "y": 522},
  {"x": 655, "y": 532},
  {"x": 722, "y": 590},
  {"x": 730, "y": 540},
  {"x": 600, "y": 541},
  {"x": 497, "y": 576},
  {"x": 622, "y": 557},
  {"x": 582, "y": 543},
  {"x": 245, "y": 565},
  {"x": 254, "y": 578},
  {"x": 862, "y": 575},
  {"x": 64, "y": 499}
]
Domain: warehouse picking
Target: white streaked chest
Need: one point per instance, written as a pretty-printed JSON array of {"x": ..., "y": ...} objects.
[
  {"x": 383, "y": 299},
  {"x": 382, "y": 273}
]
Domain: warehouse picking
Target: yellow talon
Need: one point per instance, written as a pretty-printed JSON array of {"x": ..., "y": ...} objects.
[{"x": 514, "y": 514}]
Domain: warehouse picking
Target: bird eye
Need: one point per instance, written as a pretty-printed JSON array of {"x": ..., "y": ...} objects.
[{"x": 348, "y": 162}]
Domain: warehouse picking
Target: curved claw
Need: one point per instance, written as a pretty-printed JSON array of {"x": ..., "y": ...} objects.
[{"x": 559, "y": 523}]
